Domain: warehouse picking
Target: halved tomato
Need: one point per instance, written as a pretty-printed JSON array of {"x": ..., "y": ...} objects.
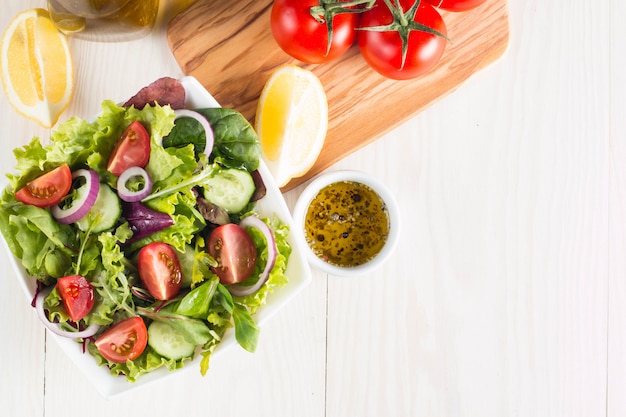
[
  {"x": 233, "y": 249},
  {"x": 123, "y": 341},
  {"x": 77, "y": 295},
  {"x": 47, "y": 189},
  {"x": 132, "y": 149},
  {"x": 159, "y": 270}
]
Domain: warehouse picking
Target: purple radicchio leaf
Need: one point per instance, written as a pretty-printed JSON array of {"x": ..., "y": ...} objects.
[{"x": 144, "y": 221}]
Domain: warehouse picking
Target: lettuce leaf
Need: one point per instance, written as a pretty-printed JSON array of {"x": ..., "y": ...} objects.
[{"x": 34, "y": 237}]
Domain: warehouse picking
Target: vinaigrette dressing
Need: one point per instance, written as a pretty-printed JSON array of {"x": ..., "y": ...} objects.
[{"x": 346, "y": 224}]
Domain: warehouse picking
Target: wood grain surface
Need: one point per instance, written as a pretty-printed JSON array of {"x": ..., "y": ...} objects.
[{"x": 229, "y": 48}]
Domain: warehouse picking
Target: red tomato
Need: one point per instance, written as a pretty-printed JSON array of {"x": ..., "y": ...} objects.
[
  {"x": 77, "y": 295},
  {"x": 47, "y": 189},
  {"x": 456, "y": 5},
  {"x": 159, "y": 270},
  {"x": 132, "y": 149},
  {"x": 387, "y": 53},
  {"x": 233, "y": 249},
  {"x": 123, "y": 341},
  {"x": 300, "y": 35}
]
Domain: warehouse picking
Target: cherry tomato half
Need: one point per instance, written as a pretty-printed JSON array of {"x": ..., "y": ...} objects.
[
  {"x": 456, "y": 5},
  {"x": 298, "y": 33},
  {"x": 123, "y": 341},
  {"x": 383, "y": 49},
  {"x": 233, "y": 249},
  {"x": 131, "y": 149},
  {"x": 47, "y": 189},
  {"x": 77, "y": 295},
  {"x": 159, "y": 270}
]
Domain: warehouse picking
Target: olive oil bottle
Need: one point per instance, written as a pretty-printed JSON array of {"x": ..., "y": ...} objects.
[{"x": 104, "y": 20}]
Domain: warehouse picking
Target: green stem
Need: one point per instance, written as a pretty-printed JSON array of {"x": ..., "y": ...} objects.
[
  {"x": 404, "y": 23},
  {"x": 398, "y": 13},
  {"x": 81, "y": 251},
  {"x": 326, "y": 10},
  {"x": 184, "y": 185},
  {"x": 330, "y": 8}
]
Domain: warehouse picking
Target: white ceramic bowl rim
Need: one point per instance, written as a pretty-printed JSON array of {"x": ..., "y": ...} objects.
[{"x": 381, "y": 189}]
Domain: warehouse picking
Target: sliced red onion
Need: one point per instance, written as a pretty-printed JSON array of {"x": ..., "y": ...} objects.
[
  {"x": 208, "y": 130},
  {"x": 53, "y": 327},
  {"x": 82, "y": 205},
  {"x": 131, "y": 196},
  {"x": 257, "y": 223}
]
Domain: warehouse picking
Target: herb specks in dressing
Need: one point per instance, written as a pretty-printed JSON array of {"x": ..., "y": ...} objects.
[{"x": 346, "y": 224}]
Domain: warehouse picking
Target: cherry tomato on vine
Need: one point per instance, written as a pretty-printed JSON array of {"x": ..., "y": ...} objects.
[
  {"x": 302, "y": 28},
  {"x": 159, "y": 270},
  {"x": 233, "y": 249},
  {"x": 456, "y": 5},
  {"x": 77, "y": 295},
  {"x": 47, "y": 189},
  {"x": 402, "y": 39},
  {"x": 131, "y": 149},
  {"x": 123, "y": 341}
]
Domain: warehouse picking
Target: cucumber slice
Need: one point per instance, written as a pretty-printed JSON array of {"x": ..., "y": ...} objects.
[
  {"x": 231, "y": 189},
  {"x": 105, "y": 212},
  {"x": 164, "y": 339}
]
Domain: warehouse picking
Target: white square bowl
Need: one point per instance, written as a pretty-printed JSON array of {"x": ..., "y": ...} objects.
[{"x": 298, "y": 273}]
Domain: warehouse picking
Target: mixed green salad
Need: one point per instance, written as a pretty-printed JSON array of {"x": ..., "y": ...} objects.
[{"x": 141, "y": 257}]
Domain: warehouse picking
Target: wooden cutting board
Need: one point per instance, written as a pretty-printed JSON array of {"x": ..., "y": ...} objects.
[{"x": 228, "y": 46}]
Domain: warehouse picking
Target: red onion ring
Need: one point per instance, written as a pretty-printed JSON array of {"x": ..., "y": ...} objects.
[
  {"x": 208, "y": 130},
  {"x": 82, "y": 205},
  {"x": 257, "y": 223},
  {"x": 54, "y": 328},
  {"x": 131, "y": 196}
]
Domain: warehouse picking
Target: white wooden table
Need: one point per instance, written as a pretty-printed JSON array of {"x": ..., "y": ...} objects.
[{"x": 506, "y": 295}]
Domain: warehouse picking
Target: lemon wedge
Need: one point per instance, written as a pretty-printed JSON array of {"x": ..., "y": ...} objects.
[
  {"x": 291, "y": 122},
  {"x": 37, "y": 72}
]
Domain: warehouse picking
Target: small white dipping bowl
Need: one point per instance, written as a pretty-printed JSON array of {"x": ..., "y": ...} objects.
[{"x": 312, "y": 190}]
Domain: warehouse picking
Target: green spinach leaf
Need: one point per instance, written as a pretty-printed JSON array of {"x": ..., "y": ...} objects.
[{"x": 236, "y": 143}]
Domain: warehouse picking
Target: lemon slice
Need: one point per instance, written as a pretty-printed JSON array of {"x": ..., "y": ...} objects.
[
  {"x": 37, "y": 73},
  {"x": 291, "y": 121}
]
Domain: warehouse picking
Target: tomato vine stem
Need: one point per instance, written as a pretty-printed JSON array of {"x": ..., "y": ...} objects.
[
  {"x": 326, "y": 10},
  {"x": 404, "y": 23}
]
